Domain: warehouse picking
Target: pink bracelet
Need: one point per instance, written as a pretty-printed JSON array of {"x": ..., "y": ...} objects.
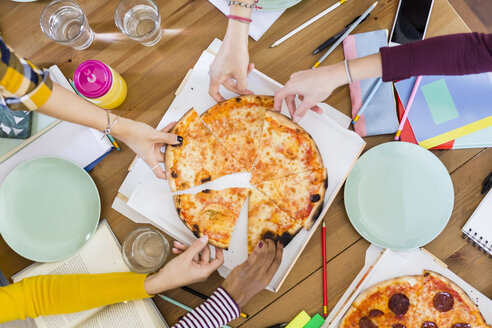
[{"x": 240, "y": 19}]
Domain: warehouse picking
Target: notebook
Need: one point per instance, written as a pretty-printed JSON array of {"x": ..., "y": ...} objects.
[
  {"x": 448, "y": 107},
  {"x": 478, "y": 139},
  {"x": 478, "y": 229},
  {"x": 379, "y": 116}
]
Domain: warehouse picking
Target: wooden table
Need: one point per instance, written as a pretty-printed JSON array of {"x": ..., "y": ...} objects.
[{"x": 154, "y": 73}]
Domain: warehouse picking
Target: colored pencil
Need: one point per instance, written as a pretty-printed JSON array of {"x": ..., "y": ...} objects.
[
  {"x": 409, "y": 106},
  {"x": 115, "y": 144},
  {"x": 202, "y": 296},
  {"x": 368, "y": 100},
  {"x": 325, "y": 291},
  {"x": 344, "y": 35},
  {"x": 181, "y": 305},
  {"x": 309, "y": 22}
]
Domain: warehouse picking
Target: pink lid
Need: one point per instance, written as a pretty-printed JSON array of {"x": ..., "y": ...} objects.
[{"x": 93, "y": 79}]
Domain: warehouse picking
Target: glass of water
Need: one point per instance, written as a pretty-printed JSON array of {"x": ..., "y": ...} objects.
[
  {"x": 139, "y": 20},
  {"x": 145, "y": 250},
  {"x": 64, "y": 21}
]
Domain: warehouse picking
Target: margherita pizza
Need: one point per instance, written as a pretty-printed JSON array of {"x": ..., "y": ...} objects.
[
  {"x": 238, "y": 135},
  {"x": 267, "y": 221},
  {"x": 199, "y": 158},
  {"x": 212, "y": 212},
  {"x": 300, "y": 195},
  {"x": 285, "y": 149},
  {"x": 426, "y": 301},
  {"x": 238, "y": 124}
]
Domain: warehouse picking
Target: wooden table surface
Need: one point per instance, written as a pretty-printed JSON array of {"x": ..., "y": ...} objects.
[{"x": 154, "y": 73}]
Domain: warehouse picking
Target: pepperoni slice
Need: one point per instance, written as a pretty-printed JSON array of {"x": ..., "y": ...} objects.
[
  {"x": 398, "y": 325},
  {"x": 443, "y": 302},
  {"x": 375, "y": 313},
  {"x": 429, "y": 324},
  {"x": 461, "y": 325},
  {"x": 365, "y": 322},
  {"x": 399, "y": 304}
]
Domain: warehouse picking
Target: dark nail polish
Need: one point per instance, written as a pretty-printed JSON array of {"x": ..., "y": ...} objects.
[
  {"x": 260, "y": 244},
  {"x": 180, "y": 139}
]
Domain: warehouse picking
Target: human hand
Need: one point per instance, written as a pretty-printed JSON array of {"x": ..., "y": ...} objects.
[
  {"x": 231, "y": 65},
  {"x": 147, "y": 142},
  {"x": 312, "y": 86},
  {"x": 253, "y": 275},
  {"x": 189, "y": 267}
]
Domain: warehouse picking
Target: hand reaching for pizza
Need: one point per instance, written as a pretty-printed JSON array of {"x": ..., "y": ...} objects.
[
  {"x": 254, "y": 274},
  {"x": 194, "y": 264},
  {"x": 231, "y": 66},
  {"x": 147, "y": 142},
  {"x": 311, "y": 86}
]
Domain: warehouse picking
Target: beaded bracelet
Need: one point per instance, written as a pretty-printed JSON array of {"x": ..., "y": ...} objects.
[
  {"x": 240, "y": 19},
  {"x": 242, "y": 4}
]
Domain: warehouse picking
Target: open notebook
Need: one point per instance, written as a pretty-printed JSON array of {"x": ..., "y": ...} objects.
[
  {"x": 478, "y": 229},
  {"x": 100, "y": 255}
]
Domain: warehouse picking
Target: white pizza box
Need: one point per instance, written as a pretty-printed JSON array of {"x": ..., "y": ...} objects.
[
  {"x": 145, "y": 199},
  {"x": 382, "y": 264}
]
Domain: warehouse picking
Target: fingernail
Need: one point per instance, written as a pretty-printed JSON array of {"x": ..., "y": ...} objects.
[
  {"x": 204, "y": 238},
  {"x": 260, "y": 244},
  {"x": 180, "y": 139}
]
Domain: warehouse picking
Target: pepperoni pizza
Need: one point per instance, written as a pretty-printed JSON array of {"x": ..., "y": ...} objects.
[{"x": 426, "y": 301}]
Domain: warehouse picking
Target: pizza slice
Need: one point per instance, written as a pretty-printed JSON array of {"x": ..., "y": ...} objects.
[
  {"x": 267, "y": 221},
  {"x": 238, "y": 124},
  {"x": 285, "y": 149},
  {"x": 354, "y": 318},
  {"x": 212, "y": 212},
  {"x": 392, "y": 303},
  {"x": 300, "y": 195},
  {"x": 199, "y": 158},
  {"x": 442, "y": 303}
]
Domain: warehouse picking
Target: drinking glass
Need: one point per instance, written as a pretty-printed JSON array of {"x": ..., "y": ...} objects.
[
  {"x": 63, "y": 21},
  {"x": 145, "y": 250},
  {"x": 139, "y": 20}
]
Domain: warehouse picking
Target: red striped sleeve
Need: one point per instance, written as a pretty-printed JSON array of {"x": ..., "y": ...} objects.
[{"x": 217, "y": 311}]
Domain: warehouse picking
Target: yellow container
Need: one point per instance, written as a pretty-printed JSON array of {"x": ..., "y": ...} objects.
[{"x": 100, "y": 84}]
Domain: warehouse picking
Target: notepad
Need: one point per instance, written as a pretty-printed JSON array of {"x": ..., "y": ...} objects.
[
  {"x": 478, "y": 229},
  {"x": 448, "y": 107},
  {"x": 300, "y": 320}
]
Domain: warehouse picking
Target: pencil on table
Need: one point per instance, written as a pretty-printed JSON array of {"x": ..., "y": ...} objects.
[
  {"x": 408, "y": 107},
  {"x": 368, "y": 100}
]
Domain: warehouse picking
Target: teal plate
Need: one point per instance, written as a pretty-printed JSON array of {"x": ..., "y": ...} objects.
[
  {"x": 49, "y": 208},
  {"x": 272, "y": 5},
  {"x": 399, "y": 196}
]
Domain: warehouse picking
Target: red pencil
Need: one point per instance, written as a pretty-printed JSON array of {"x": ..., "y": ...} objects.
[{"x": 325, "y": 293}]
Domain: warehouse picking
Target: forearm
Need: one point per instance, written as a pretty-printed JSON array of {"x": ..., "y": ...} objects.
[
  {"x": 217, "y": 311},
  {"x": 58, "y": 294},
  {"x": 238, "y": 31},
  {"x": 68, "y": 106}
]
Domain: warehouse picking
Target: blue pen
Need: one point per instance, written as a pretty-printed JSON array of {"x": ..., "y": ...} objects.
[{"x": 368, "y": 100}]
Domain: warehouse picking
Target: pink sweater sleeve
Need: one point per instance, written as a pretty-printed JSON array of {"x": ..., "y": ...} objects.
[{"x": 455, "y": 54}]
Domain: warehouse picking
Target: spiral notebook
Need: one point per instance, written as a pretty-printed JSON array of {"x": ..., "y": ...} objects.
[{"x": 478, "y": 229}]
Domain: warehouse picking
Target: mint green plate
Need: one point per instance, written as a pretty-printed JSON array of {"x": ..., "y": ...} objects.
[
  {"x": 49, "y": 208},
  {"x": 271, "y": 5},
  {"x": 399, "y": 196}
]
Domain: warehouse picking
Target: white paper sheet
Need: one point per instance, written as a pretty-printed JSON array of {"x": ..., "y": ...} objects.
[
  {"x": 262, "y": 20},
  {"x": 152, "y": 198},
  {"x": 400, "y": 263}
]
